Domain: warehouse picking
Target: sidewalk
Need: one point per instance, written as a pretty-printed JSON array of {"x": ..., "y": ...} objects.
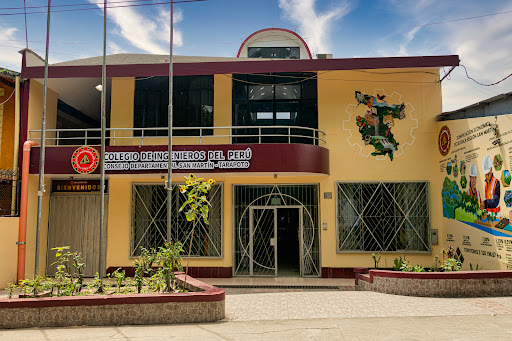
[{"x": 319, "y": 315}]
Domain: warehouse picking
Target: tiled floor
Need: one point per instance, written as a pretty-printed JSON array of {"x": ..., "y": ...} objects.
[
  {"x": 353, "y": 304},
  {"x": 292, "y": 304}
]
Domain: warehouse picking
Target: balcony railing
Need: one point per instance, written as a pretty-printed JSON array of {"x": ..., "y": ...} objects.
[{"x": 200, "y": 135}]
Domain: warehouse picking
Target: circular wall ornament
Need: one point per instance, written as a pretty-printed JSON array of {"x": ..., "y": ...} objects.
[
  {"x": 444, "y": 141},
  {"x": 85, "y": 160}
]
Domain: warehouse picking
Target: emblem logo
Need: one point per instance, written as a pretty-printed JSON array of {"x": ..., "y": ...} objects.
[
  {"x": 85, "y": 160},
  {"x": 445, "y": 140}
]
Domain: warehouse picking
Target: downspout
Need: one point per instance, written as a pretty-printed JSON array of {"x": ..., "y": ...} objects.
[{"x": 22, "y": 236}]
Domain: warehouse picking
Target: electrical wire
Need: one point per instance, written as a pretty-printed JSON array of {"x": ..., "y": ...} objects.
[
  {"x": 461, "y": 19},
  {"x": 99, "y": 8},
  {"x": 74, "y": 5},
  {"x": 477, "y": 82},
  {"x": 12, "y": 93}
]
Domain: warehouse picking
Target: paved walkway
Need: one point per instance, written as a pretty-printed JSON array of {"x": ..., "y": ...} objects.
[{"x": 318, "y": 315}]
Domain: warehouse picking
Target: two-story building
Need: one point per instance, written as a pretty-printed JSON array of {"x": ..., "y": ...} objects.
[{"x": 318, "y": 163}]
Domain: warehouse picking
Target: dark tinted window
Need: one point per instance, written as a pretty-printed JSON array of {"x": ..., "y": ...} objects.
[
  {"x": 192, "y": 104},
  {"x": 274, "y": 52}
]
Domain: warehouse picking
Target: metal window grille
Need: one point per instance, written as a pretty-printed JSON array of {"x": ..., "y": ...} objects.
[
  {"x": 305, "y": 196},
  {"x": 9, "y": 193},
  {"x": 383, "y": 217},
  {"x": 149, "y": 221}
]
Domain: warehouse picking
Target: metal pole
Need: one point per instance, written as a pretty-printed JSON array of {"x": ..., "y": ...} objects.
[
  {"x": 43, "y": 144},
  {"x": 102, "y": 157},
  {"x": 169, "y": 133}
]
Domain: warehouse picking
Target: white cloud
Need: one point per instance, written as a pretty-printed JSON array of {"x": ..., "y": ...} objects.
[
  {"x": 141, "y": 31},
  {"x": 313, "y": 25},
  {"x": 9, "y": 56},
  {"x": 482, "y": 44},
  {"x": 113, "y": 48}
]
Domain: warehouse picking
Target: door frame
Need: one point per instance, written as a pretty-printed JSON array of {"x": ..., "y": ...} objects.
[{"x": 273, "y": 240}]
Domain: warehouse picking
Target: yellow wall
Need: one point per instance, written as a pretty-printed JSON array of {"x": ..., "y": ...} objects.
[
  {"x": 7, "y": 128},
  {"x": 121, "y": 108},
  {"x": 9, "y": 250},
  {"x": 337, "y": 112},
  {"x": 35, "y": 111},
  {"x": 414, "y": 161}
]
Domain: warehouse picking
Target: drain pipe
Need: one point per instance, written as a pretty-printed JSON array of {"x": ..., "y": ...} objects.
[{"x": 22, "y": 236}]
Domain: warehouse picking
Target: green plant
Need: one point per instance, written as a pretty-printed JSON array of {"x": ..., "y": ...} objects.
[
  {"x": 169, "y": 256},
  {"x": 196, "y": 190},
  {"x": 398, "y": 262},
  {"x": 79, "y": 265},
  {"x": 476, "y": 269},
  {"x": 143, "y": 266},
  {"x": 409, "y": 268},
  {"x": 451, "y": 264},
  {"x": 119, "y": 275},
  {"x": 10, "y": 289},
  {"x": 62, "y": 277},
  {"x": 32, "y": 287},
  {"x": 198, "y": 205},
  {"x": 95, "y": 284},
  {"x": 376, "y": 260}
]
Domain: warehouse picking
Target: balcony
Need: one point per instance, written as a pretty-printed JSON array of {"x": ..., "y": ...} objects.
[{"x": 182, "y": 136}]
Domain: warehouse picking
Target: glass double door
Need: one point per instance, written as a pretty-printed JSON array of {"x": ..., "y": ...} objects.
[{"x": 275, "y": 239}]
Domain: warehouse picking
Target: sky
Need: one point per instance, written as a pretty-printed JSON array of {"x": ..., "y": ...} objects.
[{"x": 345, "y": 28}]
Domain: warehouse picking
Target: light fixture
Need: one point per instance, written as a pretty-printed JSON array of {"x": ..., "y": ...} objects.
[{"x": 99, "y": 87}]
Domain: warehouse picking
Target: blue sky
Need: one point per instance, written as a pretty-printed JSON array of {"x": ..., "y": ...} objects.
[{"x": 364, "y": 28}]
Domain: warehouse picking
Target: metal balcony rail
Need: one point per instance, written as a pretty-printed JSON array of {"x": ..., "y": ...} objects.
[{"x": 235, "y": 134}]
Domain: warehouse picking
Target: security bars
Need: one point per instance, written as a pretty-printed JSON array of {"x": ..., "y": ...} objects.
[
  {"x": 149, "y": 221},
  {"x": 383, "y": 217}
]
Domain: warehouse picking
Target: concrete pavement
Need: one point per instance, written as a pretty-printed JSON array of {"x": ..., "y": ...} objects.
[{"x": 318, "y": 315}]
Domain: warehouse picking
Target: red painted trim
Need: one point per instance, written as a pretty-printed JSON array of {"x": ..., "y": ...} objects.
[
  {"x": 439, "y": 275},
  {"x": 209, "y": 294},
  {"x": 241, "y": 66},
  {"x": 273, "y": 158},
  {"x": 25, "y": 91},
  {"x": 274, "y": 29}
]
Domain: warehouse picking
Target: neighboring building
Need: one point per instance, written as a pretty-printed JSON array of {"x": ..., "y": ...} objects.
[
  {"x": 9, "y": 127},
  {"x": 475, "y": 162},
  {"x": 319, "y": 162},
  {"x": 9, "y": 184}
]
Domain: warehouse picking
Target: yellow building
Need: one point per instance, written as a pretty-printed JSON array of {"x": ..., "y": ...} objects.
[{"x": 318, "y": 163}]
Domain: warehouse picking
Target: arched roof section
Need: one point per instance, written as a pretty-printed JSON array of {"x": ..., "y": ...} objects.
[{"x": 275, "y": 37}]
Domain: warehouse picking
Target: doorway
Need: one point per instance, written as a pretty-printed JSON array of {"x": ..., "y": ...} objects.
[
  {"x": 288, "y": 252},
  {"x": 274, "y": 246},
  {"x": 74, "y": 221}
]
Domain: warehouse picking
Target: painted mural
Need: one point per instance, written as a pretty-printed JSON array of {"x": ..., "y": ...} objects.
[
  {"x": 376, "y": 125},
  {"x": 476, "y": 158}
]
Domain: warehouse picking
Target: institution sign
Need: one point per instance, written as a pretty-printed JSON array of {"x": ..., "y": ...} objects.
[
  {"x": 181, "y": 160},
  {"x": 444, "y": 140},
  {"x": 85, "y": 160}
]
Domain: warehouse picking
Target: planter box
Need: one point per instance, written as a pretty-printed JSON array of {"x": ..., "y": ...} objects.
[
  {"x": 437, "y": 284},
  {"x": 205, "y": 303}
]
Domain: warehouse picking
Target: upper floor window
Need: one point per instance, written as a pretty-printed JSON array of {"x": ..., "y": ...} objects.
[
  {"x": 281, "y": 99},
  {"x": 192, "y": 104},
  {"x": 274, "y": 52}
]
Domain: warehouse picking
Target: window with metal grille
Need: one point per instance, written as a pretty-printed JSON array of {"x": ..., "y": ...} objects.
[
  {"x": 149, "y": 221},
  {"x": 383, "y": 217}
]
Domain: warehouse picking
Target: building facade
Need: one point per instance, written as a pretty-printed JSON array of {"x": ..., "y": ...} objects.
[{"x": 318, "y": 163}]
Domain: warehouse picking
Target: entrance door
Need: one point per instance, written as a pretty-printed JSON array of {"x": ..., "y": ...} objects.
[
  {"x": 289, "y": 253},
  {"x": 74, "y": 221},
  {"x": 263, "y": 241}
]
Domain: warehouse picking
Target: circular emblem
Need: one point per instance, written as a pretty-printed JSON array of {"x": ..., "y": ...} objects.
[
  {"x": 445, "y": 140},
  {"x": 85, "y": 160}
]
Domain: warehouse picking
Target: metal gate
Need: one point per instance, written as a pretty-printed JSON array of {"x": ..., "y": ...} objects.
[
  {"x": 255, "y": 242},
  {"x": 74, "y": 221},
  {"x": 263, "y": 242}
]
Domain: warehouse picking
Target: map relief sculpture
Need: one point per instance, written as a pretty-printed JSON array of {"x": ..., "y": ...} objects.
[{"x": 375, "y": 126}]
